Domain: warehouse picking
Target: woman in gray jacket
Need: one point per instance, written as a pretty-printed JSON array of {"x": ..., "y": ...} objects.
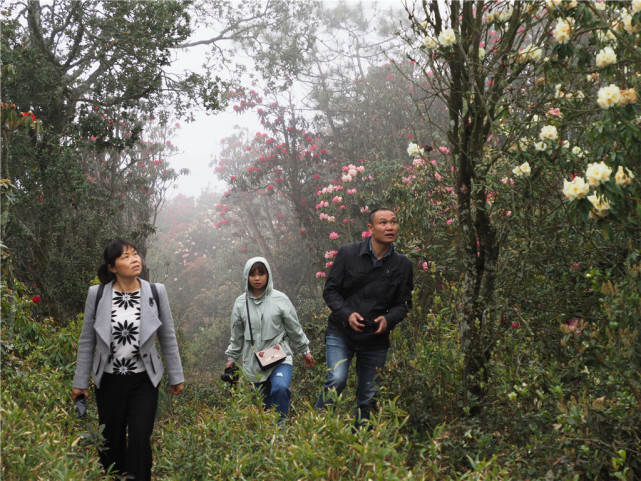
[
  {"x": 123, "y": 318},
  {"x": 273, "y": 321}
]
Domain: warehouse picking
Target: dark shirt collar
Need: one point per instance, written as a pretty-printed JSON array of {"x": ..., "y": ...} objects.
[{"x": 376, "y": 261}]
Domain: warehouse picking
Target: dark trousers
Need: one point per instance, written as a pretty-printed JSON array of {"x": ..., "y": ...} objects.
[{"x": 127, "y": 407}]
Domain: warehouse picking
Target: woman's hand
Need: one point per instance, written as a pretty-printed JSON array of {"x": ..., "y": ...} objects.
[
  {"x": 176, "y": 389},
  {"x": 229, "y": 364},
  {"x": 309, "y": 359},
  {"x": 75, "y": 392}
]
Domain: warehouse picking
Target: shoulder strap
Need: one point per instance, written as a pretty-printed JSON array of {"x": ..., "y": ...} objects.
[
  {"x": 154, "y": 292},
  {"x": 249, "y": 321},
  {"x": 101, "y": 288}
]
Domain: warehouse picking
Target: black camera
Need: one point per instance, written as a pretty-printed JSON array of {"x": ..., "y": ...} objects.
[
  {"x": 231, "y": 374},
  {"x": 81, "y": 405},
  {"x": 370, "y": 325}
]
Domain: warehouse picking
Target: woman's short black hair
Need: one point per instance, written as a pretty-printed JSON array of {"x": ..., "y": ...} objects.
[
  {"x": 113, "y": 250},
  {"x": 259, "y": 267}
]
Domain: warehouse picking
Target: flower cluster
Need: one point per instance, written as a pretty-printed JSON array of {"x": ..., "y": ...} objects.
[
  {"x": 350, "y": 171},
  {"x": 600, "y": 204},
  {"x": 447, "y": 37},
  {"x": 624, "y": 178},
  {"x": 562, "y": 31},
  {"x": 576, "y": 189},
  {"x": 606, "y": 57},
  {"x": 522, "y": 170},
  {"x": 414, "y": 150},
  {"x": 548, "y": 133},
  {"x": 597, "y": 173},
  {"x": 612, "y": 95},
  {"x": 608, "y": 96},
  {"x": 530, "y": 53}
]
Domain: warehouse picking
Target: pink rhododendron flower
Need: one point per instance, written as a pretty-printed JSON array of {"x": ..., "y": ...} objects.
[
  {"x": 333, "y": 236},
  {"x": 365, "y": 234},
  {"x": 320, "y": 274}
]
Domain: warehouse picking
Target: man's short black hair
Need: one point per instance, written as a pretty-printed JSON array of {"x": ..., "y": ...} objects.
[{"x": 378, "y": 209}]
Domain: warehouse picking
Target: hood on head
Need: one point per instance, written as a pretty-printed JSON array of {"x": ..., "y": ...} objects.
[{"x": 248, "y": 266}]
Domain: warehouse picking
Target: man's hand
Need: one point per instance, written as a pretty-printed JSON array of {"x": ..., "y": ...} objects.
[
  {"x": 382, "y": 324},
  {"x": 355, "y": 321}
]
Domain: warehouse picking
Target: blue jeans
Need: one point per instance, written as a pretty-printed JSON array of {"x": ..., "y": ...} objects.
[
  {"x": 369, "y": 364},
  {"x": 275, "y": 390}
]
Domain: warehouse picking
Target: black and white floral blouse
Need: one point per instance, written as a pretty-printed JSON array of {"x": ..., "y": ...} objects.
[{"x": 125, "y": 334}]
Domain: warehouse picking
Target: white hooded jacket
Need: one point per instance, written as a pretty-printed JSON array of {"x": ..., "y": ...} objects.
[{"x": 273, "y": 320}]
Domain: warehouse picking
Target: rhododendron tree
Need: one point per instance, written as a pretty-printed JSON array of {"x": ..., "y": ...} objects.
[{"x": 520, "y": 81}]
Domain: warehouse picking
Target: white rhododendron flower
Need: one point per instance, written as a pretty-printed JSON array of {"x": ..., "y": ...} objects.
[
  {"x": 522, "y": 170},
  {"x": 608, "y": 96},
  {"x": 606, "y": 57},
  {"x": 529, "y": 53},
  {"x": 491, "y": 17},
  {"x": 540, "y": 146},
  {"x": 548, "y": 133},
  {"x": 447, "y": 37},
  {"x": 575, "y": 189},
  {"x": 414, "y": 150},
  {"x": 576, "y": 150},
  {"x": 505, "y": 15},
  {"x": 628, "y": 26},
  {"x": 624, "y": 177},
  {"x": 562, "y": 31},
  {"x": 600, "y": 204},
  {"x": 636, "y": 6},
  {"x": 482, "y": 53},
  {"x": 597, "y": 173},
  {"x": 430, "y": 43}
]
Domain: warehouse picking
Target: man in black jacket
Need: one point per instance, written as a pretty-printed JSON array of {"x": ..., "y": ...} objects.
[{"x": 369, "y": 291}]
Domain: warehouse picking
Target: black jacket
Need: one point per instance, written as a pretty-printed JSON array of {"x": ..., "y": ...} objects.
[{"x": 354, "y": 284}]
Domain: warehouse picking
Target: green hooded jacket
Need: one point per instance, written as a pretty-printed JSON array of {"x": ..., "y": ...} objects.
[{"x": 273, "y": 319}]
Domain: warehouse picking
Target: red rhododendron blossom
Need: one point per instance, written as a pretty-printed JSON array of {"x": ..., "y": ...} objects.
[{"x": 36, "y": 299}]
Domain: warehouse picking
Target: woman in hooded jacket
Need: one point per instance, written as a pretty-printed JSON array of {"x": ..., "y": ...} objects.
[{"x": 273, "y": 321}]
